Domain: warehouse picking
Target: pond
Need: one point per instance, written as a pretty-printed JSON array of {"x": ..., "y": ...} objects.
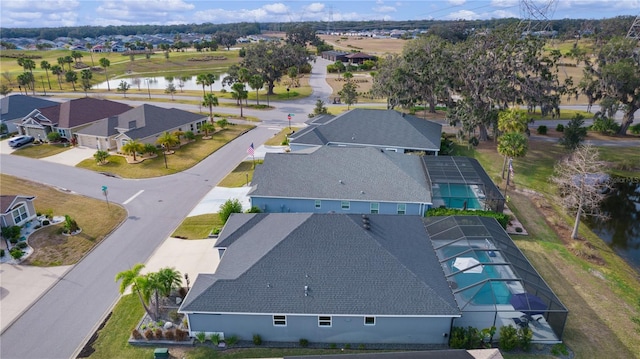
[
  {"x": 160, "y": 83},
  {"x": 622, "y": 230}
]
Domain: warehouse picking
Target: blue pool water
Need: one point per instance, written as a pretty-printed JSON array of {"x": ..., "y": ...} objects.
[
  {"x": 488, "y": 293},
  {"x": 454, "y": 196}
]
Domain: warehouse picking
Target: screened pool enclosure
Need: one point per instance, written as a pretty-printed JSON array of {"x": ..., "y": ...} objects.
[
  {"x": 493, "y": 282},
  {"x": 461, "y": 182}
]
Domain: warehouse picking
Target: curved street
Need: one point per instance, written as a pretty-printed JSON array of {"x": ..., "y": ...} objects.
[{"x": 63, "y": 318}]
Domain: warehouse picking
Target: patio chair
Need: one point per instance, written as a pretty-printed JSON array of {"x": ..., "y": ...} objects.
[{"x": 522, "y": 322}]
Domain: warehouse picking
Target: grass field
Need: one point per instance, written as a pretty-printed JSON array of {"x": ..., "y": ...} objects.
[
  {"x": 240, "y": 175},
  {"x": 185, "y": 157},
  {"x": 197, "y": 227},
  {"x": 40, "y": 151},
  {"x": 94, "y": 217}
]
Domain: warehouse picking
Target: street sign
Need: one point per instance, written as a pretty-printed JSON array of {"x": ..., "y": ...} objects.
[
  {"x": 289, "y": 117},
  {"x": 104, "y": 190}
]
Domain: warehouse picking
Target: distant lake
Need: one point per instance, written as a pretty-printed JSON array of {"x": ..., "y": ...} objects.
[{"x": 160, "y": 83}]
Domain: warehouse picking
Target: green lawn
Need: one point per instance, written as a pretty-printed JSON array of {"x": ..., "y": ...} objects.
[
  {"x": 197, "y": 227},
  {"x": 280, "y": 137},
  {"x": 240, "y": 175},
  {"x": 185, "y": 157},
  {"x": 40, "y": 151}
]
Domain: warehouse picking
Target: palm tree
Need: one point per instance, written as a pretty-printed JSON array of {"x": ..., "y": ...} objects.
[
  {"x": 72, "y": 77},
  {"x": 169, "y": 279},
  {"x": 239, "y": 94},
  {"x": 69, "y": 60},
  {"x": 167, "y": 140},
  {"x": 46, "y": 66},
  {"x": 208, "y": 127},
  {"x": 61, "y": 61},
  {"x": 201, "y": 80},
  {"x": 89, "y": 47},
  {"x": 29, "y": 65},
  {"x": 86, "y": 76},
  {"x": 123, "y": 87},
  {"x": 104, "y": 62},
  {"x": 243, "y": 76},
  {"x": 256, "y": 82},
  {"x": 512, "y": 144},
  {"x": 58, "y": 71},
  {"x": 138, "y": 283},
  {"x": 76, "y": 56},
  {"x": 210, "y": 101},
  {"x": 132, "y": 147},
  {"x": 211, "y": 79}
]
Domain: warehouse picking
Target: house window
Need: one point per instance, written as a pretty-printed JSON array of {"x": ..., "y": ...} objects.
[
  {"x": 345, "y": 205},
  {"x": 369, "y": 320},
  {"x": 279, "y": 320},
  {"x": 375, "y": 208},
  {"x": 402, "y": 208},
  {"x": 324, "y": 321},
  {"x": 318, "y": 203},
  {"x": 19, "y": 214}
]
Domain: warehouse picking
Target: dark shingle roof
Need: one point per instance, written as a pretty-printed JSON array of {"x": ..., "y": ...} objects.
[
  {"x": 352, "y": 173},
  {"x": 151, "y": 120},
  {"x": 18, "y": 106},
  {"x": 389, "y": 269},
  {"x": 373, "y": 128},
  {"x": 82, "y": 111}
]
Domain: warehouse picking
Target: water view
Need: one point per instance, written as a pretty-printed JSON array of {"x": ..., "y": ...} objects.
[
  {"x": 622, "y": 230},
  {"x": 160, "y": 83}
]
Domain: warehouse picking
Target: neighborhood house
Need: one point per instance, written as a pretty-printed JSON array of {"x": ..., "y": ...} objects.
[
  {"x": 16, "y": 210},
  {"x": 15, "y": 107},
  {"x": 372, "y": 279}
]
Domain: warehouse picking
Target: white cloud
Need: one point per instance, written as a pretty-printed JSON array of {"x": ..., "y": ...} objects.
[
  {"x": 278, "y": 8},
  {"x": 40, "y": 5},
  {"x": 463, "y": 14},
  {"x": 384, "y": 9},
  {"x": 504, "y": 3},
  {"x": 500, "y": 14},
  {"x": 379, "y": 2},
  {"x": 456, "y": 2},
  {"x": 314, "y": 7},
  {"x": 147, "y": 5}
]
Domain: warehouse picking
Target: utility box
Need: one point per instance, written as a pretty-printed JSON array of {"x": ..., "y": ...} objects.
[{"x": 161, "y": 353}]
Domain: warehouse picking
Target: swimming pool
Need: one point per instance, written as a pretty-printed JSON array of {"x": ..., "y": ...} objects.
[
  {"x": 491, "y": 292},
  {"x": 455, "y": 195}
]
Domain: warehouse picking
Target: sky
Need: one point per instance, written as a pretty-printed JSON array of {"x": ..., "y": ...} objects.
[{"x": 57, "y": 13}]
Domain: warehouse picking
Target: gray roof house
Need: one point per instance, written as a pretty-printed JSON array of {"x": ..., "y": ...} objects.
[
  {"x": 15, "y": 107},
  {"x": 341, "y": 180},
  {"x": 143, "y": 123},
  {"x": 384, "y": 129},
  {"x": 16, "y": 210},
  {"x": 327, "y": 278}
]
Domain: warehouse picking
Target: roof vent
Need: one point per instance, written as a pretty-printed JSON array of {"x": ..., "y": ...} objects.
[
  {"x": 361, "y": 192},
  {"x": 366, "y": 226},
  {"x": 306, "y": 290},
  {"x": 340, "y": 181}
]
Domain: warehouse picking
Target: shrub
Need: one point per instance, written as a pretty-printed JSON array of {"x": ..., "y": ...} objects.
[
  {"x": 158, "y": 333},
  {"x": 148, "y": 334},
  {"x": 333, "y": 346},
  {"x": 474, "y": 141},
  {"x": 524, "y": 338},
  {"x": 189, "y": 135},
  {"x": 174, "y": 315},
  {"x": 222, "y": 123},
  {"x": 185, "y": 323},
  {"x": 70, "y": 224},
  {"x": 542, "y": 130},
  {"x": 169, "y": 334},
  {"x": 303, "y": 342},
  {"x": 201, "y": 337},
  {"x": 13, "y": 240},
  {"x": 508, "y": 338},
  {"x": 149, "y": 148},
  {"x": 215, "y": 338},
  {"x": 16, "y": 253},
  {"x": 228, "y": 207},
  {"x": 558, "y": 349},
  {"x": 136, "y": 334},
  {"x": 635, "y": 129},
  {"x": 254, "y": 209},
  {"x": 11, "y": 232},
  {"x": 21, "y": 245},
  {"x": 143, "y": 326},
  {"x": 560, "y": 127},
  {"x": 347, "y": 346},
  {"x": 183, "y": 293},
  {"x": 257, "y": 339},
  {"x": 232, "y": 340},
  {"x": 604, "y": 125},
  {"x": 361, "y": 347},
  {"x": 181, "y": 335},
  {"x": 53, "y": 136},
  {"x": 457, "y": 339},
  {"x": 1, "y": 252}
]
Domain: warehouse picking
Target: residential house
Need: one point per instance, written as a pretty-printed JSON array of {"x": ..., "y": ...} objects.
[
  {"x": 389, "y": 130},
  {"x": 16, "y": 210},
  {"x": 334, "y": 56},
  {"x": 68, "y": 117},
  {"x": 15, "y": 107},
  {"x": 358, "y": 58},
  {"x": 368, "y": 180},
  {"x": 369, "y": 279},
  {"x": 144, "y": 123},
  {"x": 324, "y": 277},
  {"x": 341, "y": 180}
]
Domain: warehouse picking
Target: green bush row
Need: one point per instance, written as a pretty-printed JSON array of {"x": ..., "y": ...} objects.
[{"x": 502, "y": 218}]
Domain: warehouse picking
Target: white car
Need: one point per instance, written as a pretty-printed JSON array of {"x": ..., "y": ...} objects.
[{"x": 19, "y": 141}]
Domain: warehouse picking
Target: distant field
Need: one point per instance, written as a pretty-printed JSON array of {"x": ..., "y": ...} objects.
[{"x": 365, "y": 44}]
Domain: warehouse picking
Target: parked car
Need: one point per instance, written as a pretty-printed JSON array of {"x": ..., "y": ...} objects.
[{"x": 20, "y": 141}]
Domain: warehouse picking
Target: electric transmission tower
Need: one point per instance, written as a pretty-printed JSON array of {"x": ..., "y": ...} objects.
[
  {"x": 634, "y": 30},
  {"x": 536, "y": 15}
]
